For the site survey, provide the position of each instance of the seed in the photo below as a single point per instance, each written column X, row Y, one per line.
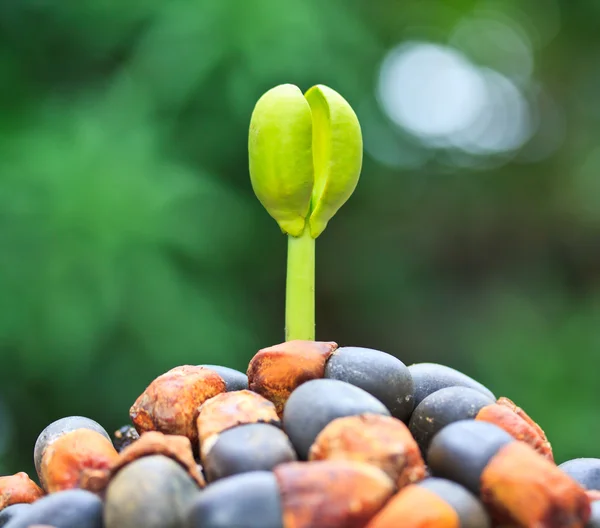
column 381, row 441
column 444, row 407
column 331, row 493
column 229, row 410
column 431, row 377
column 462, row 450
column 276, row 371
column 57, row 429
column 586, row 471
column 245, row 448
column 416, row 507
column 71, row 457
column 380, row 374
column 18, row 489
column 234, row 379
column 153, row 443
column 518, row 486
column 251, row 500
column 316, row 403
column 520, row 428
column 64, row 509
column 153, row 492
column 10, row 512
column 170, row 403
column 470, row 510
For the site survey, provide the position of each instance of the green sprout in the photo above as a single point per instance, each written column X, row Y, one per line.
column 305, row 157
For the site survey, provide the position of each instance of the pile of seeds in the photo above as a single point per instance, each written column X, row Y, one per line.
column 314, row 436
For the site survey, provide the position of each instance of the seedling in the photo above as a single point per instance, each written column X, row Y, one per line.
column 305, row 156
column 312, row 434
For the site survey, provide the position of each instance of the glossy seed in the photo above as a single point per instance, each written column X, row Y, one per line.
column 462, row 450
column 316, row 403
column 444, row 407
column 431, row 377
column 64, row 509
column 57, row 429
column 69, row 459
column 586, row 471
column 380, row 374
column 170, row 403
column 504, row 401
column 334, row 493
column 245, row 448
column 471, row 512
column 517, row 426
column 18, row 489
column 153, row 491
column 276, row 371
column 248, row 500
column 522, row 488
column 10, row 512
column 232, row 409
column 234, row 379
column 381, row 441
column 416, row 507
column 153, row 443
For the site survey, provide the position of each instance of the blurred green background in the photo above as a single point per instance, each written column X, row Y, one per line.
column 131, row 241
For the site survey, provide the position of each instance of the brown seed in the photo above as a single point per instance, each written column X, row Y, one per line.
column 517, row 426
column 416, row 507
column 511, row 405
column 170, row 403
column 331, row 493
column 67, row 458
column 276, row 371
column 152, row 443
column 229, row 409
column 522, row 488
column 382, row 441
column 18, row 489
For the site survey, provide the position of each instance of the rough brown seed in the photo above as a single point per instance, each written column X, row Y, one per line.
column 511, row 405
column 18, row 489
column 152, row 443
column 382, row 441
column 416, row 507
column 515, row 421
column 331, row 493
column 522, row 488
column 229, row 409
column 276, row 371
column 517, row 426
column 170, row 403
column 67, row 459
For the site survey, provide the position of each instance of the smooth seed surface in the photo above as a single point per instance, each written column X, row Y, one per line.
column 380, row 374
column 316, row 403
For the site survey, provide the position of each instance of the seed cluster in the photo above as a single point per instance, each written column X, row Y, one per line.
column 314, row 436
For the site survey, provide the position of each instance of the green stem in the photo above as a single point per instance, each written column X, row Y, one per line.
column 300, row 288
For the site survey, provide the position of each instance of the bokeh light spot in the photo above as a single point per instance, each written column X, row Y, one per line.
column 430, row 90
column 438, row 95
